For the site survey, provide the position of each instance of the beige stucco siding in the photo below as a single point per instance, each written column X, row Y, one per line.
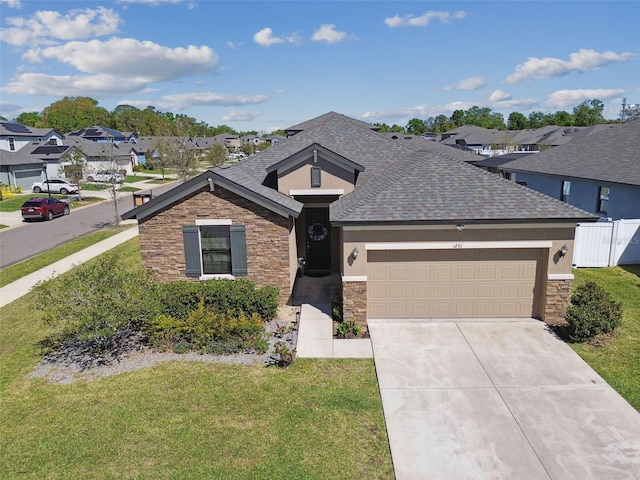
column 558, row 236
column 332, row 178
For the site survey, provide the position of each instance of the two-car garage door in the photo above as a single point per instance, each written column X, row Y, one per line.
column 452, row 283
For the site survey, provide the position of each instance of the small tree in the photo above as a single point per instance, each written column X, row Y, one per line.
column 216, row 155
column 77, row 169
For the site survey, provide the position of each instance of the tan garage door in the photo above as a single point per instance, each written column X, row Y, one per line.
column 451, row 283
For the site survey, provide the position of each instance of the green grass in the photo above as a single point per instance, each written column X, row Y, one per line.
column 22, row 269
column 317, row 419
column 128, row 189
column 136, row 178
column 617, row 357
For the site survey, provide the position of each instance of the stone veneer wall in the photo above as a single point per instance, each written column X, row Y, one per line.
column 557, row 299
column 354, row 302
column 267, row 233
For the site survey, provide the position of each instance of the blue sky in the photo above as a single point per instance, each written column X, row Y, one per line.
column 267, row 65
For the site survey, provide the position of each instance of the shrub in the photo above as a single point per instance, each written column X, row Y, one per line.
column 96, row 301
column 348, row 329
column 220, row 296
column 207, row 331
column 283, row 355
column 592, row 312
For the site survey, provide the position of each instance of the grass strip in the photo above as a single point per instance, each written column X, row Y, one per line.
column 616, row 357
column 15, row 272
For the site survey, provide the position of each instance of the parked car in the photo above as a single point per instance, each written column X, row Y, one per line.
column 106, row 176
column 55, row 185
column 44, row 208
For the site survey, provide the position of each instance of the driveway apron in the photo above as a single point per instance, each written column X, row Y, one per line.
column 496, row 399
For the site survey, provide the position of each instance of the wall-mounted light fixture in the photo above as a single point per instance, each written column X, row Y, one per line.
column 460, row 227
column 354, row 252
column 564, row 250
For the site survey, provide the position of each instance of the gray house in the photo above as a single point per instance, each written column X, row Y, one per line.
column 599, row 173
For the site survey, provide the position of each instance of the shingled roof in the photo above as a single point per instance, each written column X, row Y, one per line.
column 610, row 154
column 415, row 182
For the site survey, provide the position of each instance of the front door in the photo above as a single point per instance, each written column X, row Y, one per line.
column 318, row 242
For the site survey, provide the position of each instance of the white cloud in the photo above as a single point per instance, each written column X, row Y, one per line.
column 47, row 27
column 423, row 20
column 73, row 86
column 265, row 38
column 11, row 3
column 328, row 33
column 131, row 59
column 565, row 98
column 214, row 99
column 240, row 116
column 471, row 83
column 581, row 61
column 499, row 95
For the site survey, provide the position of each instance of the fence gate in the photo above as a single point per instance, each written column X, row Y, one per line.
column 605, row 244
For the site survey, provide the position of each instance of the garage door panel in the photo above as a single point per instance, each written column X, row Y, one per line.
column 456, row 283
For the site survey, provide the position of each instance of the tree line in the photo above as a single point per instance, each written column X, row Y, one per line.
column 586, row 114
column 74, row 113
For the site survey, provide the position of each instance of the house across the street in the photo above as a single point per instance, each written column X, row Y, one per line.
column 413, row 230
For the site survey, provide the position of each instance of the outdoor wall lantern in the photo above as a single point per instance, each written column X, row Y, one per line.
column 564, row 250
column 460, row 227
column 354, row 253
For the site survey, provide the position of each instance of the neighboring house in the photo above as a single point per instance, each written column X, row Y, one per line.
column 413, row 232
column 232, row 142
column 14, row 136
column 492, row 142
column 599, row 173
column 254, row 140
column 21, row 169
column 101, row 135
column 104, row 155
column 273, row 139
column 494, row 164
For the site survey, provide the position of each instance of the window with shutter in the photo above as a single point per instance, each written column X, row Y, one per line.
column 212, row 250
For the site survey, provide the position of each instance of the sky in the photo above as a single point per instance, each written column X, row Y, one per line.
column 268, row 65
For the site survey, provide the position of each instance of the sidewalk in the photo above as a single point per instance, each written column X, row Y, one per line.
column 21, row 287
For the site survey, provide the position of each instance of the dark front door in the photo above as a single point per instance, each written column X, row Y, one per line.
column 318, row 240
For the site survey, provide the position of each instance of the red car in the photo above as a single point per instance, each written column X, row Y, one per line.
column 44, row 208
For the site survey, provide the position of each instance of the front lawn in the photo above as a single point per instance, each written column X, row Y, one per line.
column 316, row 419
column 617, row 357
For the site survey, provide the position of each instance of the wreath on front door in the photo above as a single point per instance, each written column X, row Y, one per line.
column 318, row 232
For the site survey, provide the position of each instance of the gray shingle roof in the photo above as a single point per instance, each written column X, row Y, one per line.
column 327, row 117
column 406, row 182
column 608, row 154
column 425, row 187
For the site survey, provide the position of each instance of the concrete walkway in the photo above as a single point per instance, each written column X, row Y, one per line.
column 21, row 287
column 315, row 336
column 498, row 400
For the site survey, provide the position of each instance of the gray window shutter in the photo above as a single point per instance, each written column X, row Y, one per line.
column 238, row 250
column 192, row 255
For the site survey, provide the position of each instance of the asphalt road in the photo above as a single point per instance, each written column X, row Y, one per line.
column 31, row 238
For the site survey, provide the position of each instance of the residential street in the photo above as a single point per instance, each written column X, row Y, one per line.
column 26, row 239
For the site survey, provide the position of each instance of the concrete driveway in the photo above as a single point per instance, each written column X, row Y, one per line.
column 498, row 400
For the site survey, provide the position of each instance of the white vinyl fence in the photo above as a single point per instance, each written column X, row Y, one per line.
column 606, row 244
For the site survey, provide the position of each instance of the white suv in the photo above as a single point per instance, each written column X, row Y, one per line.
column 106, row 176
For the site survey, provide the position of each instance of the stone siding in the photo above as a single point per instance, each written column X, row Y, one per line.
column 354, row 298
column 557, row 299
column 267, row 234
